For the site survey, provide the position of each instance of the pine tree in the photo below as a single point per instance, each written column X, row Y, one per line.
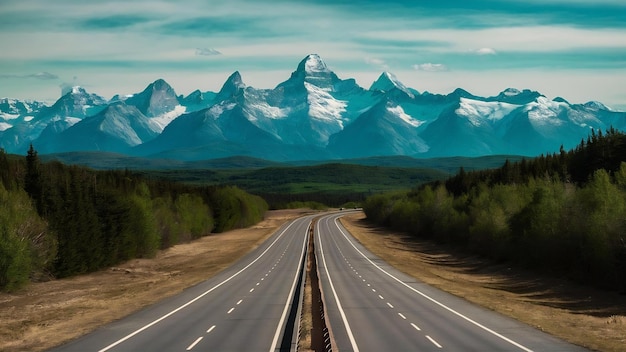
column 32, row 181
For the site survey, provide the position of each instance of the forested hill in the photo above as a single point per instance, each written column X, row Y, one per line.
column 58, row 220
column 563, row 213
column 599, row 152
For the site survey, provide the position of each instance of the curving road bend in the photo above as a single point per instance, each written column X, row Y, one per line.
column 244, row 308
column 371, row 306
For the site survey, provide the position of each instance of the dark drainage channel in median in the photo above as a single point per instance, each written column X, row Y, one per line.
column 320, row 335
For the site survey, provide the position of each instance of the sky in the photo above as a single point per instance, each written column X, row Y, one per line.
column 574, row 49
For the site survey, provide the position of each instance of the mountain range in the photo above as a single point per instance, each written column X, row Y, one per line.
column 313, row 115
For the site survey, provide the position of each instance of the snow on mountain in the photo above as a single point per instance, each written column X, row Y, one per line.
column 76, row 104
column 383, row 130
column 544, row 112
column 313, row 114
column 387, row 82
column 114, row 129
column 232, row 87
column 158, row 98
column 323, row 106
column 515, row 96
column 479, row 112
column 454, row 133
column 12, row 109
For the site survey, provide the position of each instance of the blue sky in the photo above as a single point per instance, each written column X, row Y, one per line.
column 570, row 48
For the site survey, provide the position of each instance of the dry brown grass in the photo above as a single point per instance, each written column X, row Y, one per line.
column 47, row 314
column 584, row 316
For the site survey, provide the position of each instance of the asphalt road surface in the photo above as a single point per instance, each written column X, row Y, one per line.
column 371, row 306
column 244, row 308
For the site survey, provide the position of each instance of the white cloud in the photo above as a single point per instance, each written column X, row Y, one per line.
column 513, row 39
column 486, row 51
column 430, row 67
column 207, row 52
column 377, row 62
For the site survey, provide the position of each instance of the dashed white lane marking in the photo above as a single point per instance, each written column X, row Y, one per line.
column 252, row 289
column 381, row 297
column 416, row 327
column 230, row 310
column 433, row 341
column 389, row 304
column 210, row 329
column 239, row 302
column 258, row 283
column 373, row 290
column 402, row 316
column 194, row 344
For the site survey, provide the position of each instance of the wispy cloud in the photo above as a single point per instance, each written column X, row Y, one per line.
column 143, row 40
column 207, row 52
column 40, row 75
column 378, row 63
column 486, row 51
column 430, row 67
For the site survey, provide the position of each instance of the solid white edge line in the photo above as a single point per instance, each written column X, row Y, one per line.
column 430, row 298
column 355, row 348
column 194, row 343
column 433, row 341
column 293, row 288
column 147, row 326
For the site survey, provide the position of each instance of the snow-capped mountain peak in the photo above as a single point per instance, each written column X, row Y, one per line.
column 313, row 64
column 233, row 85
column 313, row 70
column 157, row 99
column 388, row 82
column 596, row 105
column 511, row 92
column 479, row 112
column 516, row 96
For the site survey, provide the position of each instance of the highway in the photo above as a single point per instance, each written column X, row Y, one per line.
column 244, row 308
column 370, row 306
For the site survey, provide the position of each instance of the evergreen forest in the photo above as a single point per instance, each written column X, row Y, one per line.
column 563, row 214
column 58, row 220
